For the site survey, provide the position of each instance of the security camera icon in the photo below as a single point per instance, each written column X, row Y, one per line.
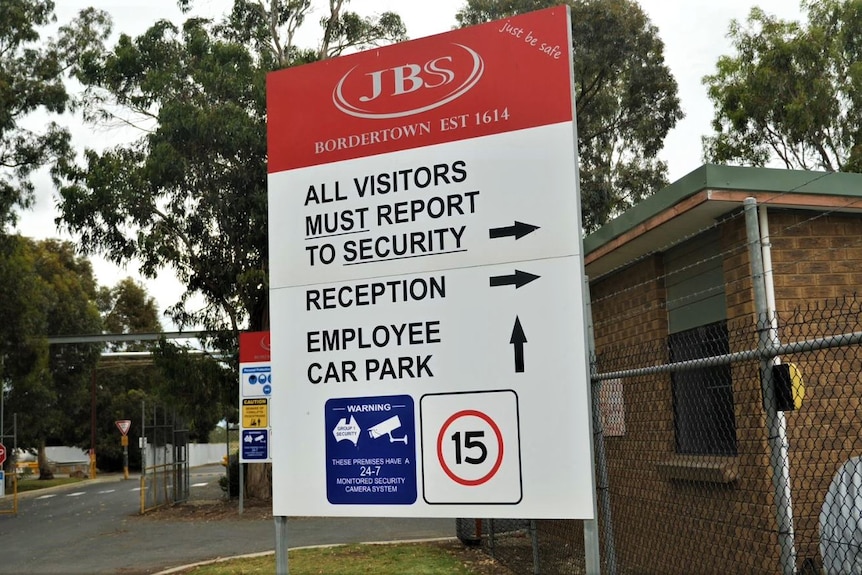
column 386, row 428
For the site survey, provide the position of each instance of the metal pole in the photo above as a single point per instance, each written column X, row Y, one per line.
column 2, row 398
column 281, row 566
column 492, row 539
column 241, row 484
column 769, row 285
column 143, row 438
column 592, row 551
column 534, row 538
column 227, row 456
column 125, row 442
column 93, row 423
column 776, row 427
column 15, row 471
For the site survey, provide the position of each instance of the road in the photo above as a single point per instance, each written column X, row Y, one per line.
column 94, row 528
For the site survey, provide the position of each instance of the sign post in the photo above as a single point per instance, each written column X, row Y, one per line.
column 2, row 483
column 426, row 280
column 2, row 473
column 124, row 425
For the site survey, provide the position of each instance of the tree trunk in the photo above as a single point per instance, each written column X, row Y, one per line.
column 44, row 469
column 258, row 481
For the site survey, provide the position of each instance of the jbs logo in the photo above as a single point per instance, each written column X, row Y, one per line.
column 411, row 88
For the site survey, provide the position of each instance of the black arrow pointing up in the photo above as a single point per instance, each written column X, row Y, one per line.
column 517, row 279
column 519, row 230
column 518, row 339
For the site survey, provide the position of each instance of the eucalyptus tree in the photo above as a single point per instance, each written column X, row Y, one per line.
column 189, row 195
column 625, row 95
column 791, row 92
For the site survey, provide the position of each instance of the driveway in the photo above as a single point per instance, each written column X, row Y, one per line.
column 94, row 527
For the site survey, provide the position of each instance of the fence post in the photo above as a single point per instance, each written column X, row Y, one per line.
column 776, row 425
column 591, row 531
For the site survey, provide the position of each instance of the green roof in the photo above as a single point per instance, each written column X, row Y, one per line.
column 713, row 177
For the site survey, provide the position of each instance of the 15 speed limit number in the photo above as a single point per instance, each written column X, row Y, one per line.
column 475, row 456
column 470, row 447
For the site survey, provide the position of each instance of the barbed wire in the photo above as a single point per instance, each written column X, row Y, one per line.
column 776, row 267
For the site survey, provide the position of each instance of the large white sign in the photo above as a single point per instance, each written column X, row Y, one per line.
column 426, row 281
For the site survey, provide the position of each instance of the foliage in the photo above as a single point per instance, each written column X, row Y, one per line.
column 45, row 385
column 23, row 323
column 625, row 95
column 791, row 92
column 202, row 389
column 229, row 482
column 127, row 309
column 123, row 383
column 31, row 79
column 190, row 194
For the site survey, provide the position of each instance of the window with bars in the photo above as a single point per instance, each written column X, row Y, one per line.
column 704, row 421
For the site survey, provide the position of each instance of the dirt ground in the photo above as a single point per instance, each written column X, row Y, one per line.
column 253, row 510
column 212, row 510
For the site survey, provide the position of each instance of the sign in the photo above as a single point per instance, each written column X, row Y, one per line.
column 426, row 253
column 371, row 450
column 124, row 425
column 2, row 482
column 255, row 413
column 256, row 381
column 254, row 445
column 255, row 389
column 254, row 346
column 2, row 454
column 472, row 448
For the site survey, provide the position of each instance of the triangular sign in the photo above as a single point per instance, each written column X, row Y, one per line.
column 124, row 425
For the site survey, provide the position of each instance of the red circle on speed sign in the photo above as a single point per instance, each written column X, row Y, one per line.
column 442, row 435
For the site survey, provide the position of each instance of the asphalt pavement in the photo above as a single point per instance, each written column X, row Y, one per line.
column 94, row 527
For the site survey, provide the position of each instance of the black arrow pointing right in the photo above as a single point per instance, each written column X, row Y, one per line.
column 518, row 340
column 519, row 230
column 518, row 279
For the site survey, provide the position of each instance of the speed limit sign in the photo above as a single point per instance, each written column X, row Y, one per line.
column 471, row 448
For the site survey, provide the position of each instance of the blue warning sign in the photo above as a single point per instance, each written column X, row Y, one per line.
column 255, row 444
column 371, row 450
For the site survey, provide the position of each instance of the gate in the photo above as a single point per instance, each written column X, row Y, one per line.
column 165, row 463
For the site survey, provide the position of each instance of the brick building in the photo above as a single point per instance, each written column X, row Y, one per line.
column 689, row 457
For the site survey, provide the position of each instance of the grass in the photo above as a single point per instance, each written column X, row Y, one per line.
column 413, row 558
column 34, row 484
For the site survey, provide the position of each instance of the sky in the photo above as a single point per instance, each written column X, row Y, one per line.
column 694, row 33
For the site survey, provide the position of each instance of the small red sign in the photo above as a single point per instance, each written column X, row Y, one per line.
column 2, row 454
column 253, row 346
column 124, row 425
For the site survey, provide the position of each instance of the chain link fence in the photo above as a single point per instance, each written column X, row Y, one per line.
column 165, row 469
column 699, row 479
column 727, row 419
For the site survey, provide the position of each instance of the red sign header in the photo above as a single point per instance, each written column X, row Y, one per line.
column 483, row 80
column 254, row 346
